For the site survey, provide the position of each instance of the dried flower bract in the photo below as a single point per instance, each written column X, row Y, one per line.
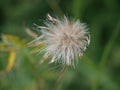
column 65, row 40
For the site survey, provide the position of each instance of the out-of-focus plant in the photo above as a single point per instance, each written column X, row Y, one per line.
column 10, row 44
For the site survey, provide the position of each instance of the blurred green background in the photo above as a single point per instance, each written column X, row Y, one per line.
column 98, row 69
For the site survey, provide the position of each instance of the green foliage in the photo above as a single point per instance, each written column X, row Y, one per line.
column 98, row 69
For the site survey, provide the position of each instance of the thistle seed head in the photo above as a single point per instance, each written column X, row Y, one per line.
column 65, row 40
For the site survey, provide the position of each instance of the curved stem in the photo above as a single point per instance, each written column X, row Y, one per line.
column 105, row 54
column 108, row 47
column 60, row 78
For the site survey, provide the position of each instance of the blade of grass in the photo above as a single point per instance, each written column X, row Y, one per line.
column 105, row 55
column 108, row 47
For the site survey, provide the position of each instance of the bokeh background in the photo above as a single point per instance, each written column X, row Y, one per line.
column 98, row 69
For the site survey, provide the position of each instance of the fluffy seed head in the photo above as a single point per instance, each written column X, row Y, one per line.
column 65, row 40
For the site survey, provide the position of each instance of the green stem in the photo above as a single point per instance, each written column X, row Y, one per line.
column 55, row 7
column 77, row 5
column 60, row 78
column 105, row 55
column 108, row 47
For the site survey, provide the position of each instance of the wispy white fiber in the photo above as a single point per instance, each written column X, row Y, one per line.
column 65, row 39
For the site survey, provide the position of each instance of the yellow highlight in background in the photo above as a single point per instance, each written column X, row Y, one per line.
column 11, row 60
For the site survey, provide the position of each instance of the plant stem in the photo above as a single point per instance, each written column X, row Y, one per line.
column 55, row 7
column 105, row 55
column 108, row 47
